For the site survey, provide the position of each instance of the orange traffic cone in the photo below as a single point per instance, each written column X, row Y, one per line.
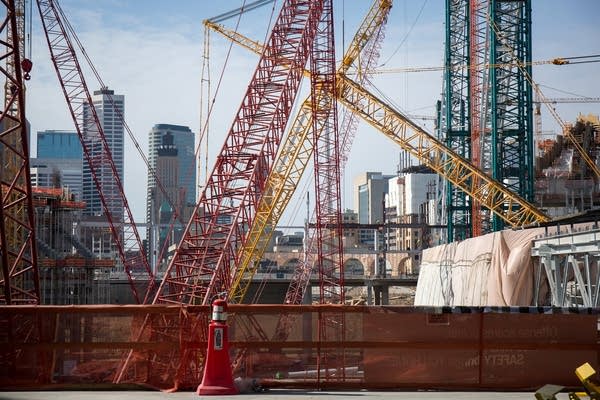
column 217, row 379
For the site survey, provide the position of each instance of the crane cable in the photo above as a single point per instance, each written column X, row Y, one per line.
column 407, row 34
column 204, row 128
column 555, row 61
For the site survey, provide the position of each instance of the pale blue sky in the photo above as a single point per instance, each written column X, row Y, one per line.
column 150, row 51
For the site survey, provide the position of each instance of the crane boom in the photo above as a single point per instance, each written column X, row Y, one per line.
column 372, row 22
column 207, row 254
column 568, row 100
column 96, row 150
column 509, row 206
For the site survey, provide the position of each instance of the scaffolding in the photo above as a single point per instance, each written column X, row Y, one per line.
column 68, row 272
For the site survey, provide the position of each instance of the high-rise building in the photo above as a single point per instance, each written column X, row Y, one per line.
column 58, row 145
column 171, row 155
column 410, row 200
column 110, row 108
column 94, row 228
column 370, row 189
column 59, row 161
column 183, row 140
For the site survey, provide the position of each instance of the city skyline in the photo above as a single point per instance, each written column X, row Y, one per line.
column 126, row 44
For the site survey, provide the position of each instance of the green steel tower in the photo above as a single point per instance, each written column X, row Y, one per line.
column 486, row 112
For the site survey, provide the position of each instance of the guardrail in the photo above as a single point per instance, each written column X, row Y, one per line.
column 384, row 347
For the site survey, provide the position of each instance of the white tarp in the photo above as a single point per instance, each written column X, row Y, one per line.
column 490, row 270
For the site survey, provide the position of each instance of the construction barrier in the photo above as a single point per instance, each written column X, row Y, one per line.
column 298, row 346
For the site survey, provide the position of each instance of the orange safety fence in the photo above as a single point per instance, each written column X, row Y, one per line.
column 386, row 347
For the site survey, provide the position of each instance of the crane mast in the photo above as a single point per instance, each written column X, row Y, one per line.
column 478, row 49
column 327, row 162
column 19, row 280
column 328, row 232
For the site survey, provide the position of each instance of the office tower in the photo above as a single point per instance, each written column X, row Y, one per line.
column 59, row 161
column 110, row 108
column 58, row 145
column 94, row 229
column 370, row 189
column 171, row 155
column 183, row 140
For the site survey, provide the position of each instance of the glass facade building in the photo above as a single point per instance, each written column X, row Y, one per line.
column 113, row 128
column 58, row 144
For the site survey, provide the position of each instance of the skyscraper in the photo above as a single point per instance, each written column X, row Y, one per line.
column 183, row 140
column 112, row 126
column 171, row 155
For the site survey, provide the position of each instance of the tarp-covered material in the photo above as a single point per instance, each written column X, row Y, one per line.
column 490, row 270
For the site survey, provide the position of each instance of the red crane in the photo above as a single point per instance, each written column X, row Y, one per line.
column 206, row 256
column 329, row 260
column 19, row 279
column 96, row 150
column 327, row 162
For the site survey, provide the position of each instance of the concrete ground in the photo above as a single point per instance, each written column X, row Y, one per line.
column 274, row 394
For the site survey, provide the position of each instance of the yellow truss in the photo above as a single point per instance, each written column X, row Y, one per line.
column 508, row 205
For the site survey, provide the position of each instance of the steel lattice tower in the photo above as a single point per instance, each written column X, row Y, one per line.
column 511, row 110
column 19, row 278
column 455, row 106
column 487, row 102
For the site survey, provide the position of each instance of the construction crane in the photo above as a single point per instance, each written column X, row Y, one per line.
column 207, row 254
column 228, row 202
column 293, row 158
column 96, row 151
column 328, row 203
column 19, row 280
column 289, row 166
column 513, row 209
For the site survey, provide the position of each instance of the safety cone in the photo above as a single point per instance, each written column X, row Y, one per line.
column 217, row 379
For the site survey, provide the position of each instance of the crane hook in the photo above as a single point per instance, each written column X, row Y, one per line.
column 26, row 64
